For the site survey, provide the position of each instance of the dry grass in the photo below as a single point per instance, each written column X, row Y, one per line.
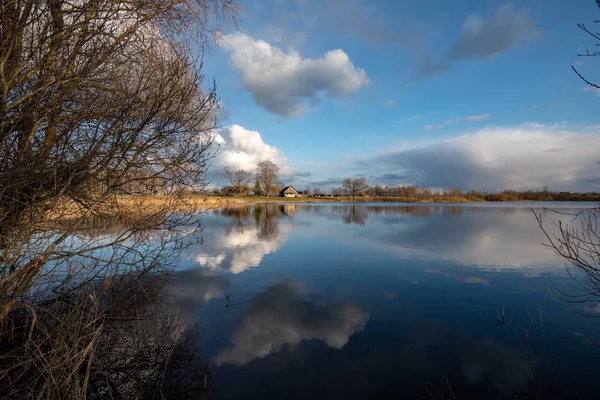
column 222, row 201
column 120, row 338
column 127, row 206
column 347, row 199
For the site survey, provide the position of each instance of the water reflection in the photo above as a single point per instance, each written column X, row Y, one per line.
column 482, row 237
column 488, row 360
column 355, row 216
column 193, row 288
column 249, row 233
column 262, row 218
column 488, row 238
column 285, row 314
column 390, row 281
column 414, row 211
column 466, row 279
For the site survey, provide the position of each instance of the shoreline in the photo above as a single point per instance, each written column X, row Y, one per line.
column 198, row 202
column 225, row 200
column 134, row 206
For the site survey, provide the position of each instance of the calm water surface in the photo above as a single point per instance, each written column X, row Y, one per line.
column 304, row 301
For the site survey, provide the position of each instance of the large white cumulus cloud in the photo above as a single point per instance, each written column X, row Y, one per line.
column 242, row 148
column 501, row 158
column 285, row 83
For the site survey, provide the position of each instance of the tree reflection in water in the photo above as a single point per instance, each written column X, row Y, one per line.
column 355, row 216
column 260, row 217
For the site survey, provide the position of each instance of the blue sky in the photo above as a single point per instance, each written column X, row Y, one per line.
column 475, row 94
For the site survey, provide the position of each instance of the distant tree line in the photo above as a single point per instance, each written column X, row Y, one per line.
column 266, row 183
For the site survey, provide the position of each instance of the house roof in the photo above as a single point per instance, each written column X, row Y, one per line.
column 288, row 189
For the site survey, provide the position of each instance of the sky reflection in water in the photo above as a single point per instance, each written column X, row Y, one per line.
column 343, row 301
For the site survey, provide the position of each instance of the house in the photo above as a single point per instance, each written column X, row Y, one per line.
column 289, row 191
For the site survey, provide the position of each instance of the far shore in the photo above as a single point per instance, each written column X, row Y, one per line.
column 214, row 201
column 135, row 205
column 198, row 201
column 228, row 200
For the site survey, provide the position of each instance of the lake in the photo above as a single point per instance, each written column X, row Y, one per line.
column 331, row 301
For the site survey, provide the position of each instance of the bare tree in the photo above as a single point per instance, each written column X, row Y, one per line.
column 578, row 242
column 101, row 103
column 239, row 180
column 98, row 99
column 268, row 175
column 355, row 187
column 587, row 53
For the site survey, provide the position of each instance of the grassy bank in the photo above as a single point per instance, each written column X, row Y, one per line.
column 224, row 200
column 200, row 202
column 132, row 205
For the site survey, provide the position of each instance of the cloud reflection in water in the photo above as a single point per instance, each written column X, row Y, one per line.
column 284, row 315
column 248, row 235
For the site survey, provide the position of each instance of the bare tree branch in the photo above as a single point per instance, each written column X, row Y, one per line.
column 268, row 175
column 106, row 127
column 355, row 187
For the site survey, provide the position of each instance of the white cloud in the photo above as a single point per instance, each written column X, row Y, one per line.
column 470, row 118
column 473, row 118
column 241, row 148
column 283, row 36
column 355, row 19
column 282, row 315
column 592, row 89
column 391, row 103
column 508, row 28
column 535, row 125
column 435, row 127
column 287, row 84
column 501, row 158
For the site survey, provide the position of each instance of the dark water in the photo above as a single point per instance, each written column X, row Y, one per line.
column 385, row 301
